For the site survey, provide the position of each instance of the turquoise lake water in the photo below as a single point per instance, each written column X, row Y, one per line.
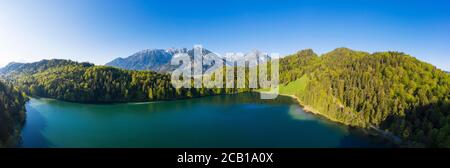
column 219, row 121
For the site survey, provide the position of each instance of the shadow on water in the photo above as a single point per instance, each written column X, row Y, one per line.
column 360, row 138
column 344, row 136
column 32, row 134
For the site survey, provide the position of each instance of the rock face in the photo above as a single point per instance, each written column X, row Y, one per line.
column 158, row 60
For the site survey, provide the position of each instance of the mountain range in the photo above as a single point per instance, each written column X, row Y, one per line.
column 151, row 59
column 159, row 60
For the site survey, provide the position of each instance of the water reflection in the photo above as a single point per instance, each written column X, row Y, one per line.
column 35, row 129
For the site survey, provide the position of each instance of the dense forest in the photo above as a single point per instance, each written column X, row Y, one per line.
column 387, row 90
column 84, row 82
column 12, row 114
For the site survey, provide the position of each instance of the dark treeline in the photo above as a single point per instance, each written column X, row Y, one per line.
column 83, row 82
column 388, row 90
column 12, row 114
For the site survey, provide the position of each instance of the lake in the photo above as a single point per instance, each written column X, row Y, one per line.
column 241, row 120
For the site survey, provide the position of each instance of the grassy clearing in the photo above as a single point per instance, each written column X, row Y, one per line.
column 295, row 87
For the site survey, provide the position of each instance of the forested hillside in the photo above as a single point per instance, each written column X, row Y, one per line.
column 83, row 82
column 389, row 90
column 12, row 114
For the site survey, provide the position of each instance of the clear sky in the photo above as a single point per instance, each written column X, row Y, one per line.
column 100, row 30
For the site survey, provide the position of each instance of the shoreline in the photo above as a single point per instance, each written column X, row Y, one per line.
column 309, row 109
column 372, row 131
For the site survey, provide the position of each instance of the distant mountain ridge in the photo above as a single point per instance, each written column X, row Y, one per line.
column 158, row 60
column 150, row 59
column 10, row 67
column 30, row 68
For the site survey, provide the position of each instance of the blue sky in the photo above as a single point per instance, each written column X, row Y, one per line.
column 100, row 30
